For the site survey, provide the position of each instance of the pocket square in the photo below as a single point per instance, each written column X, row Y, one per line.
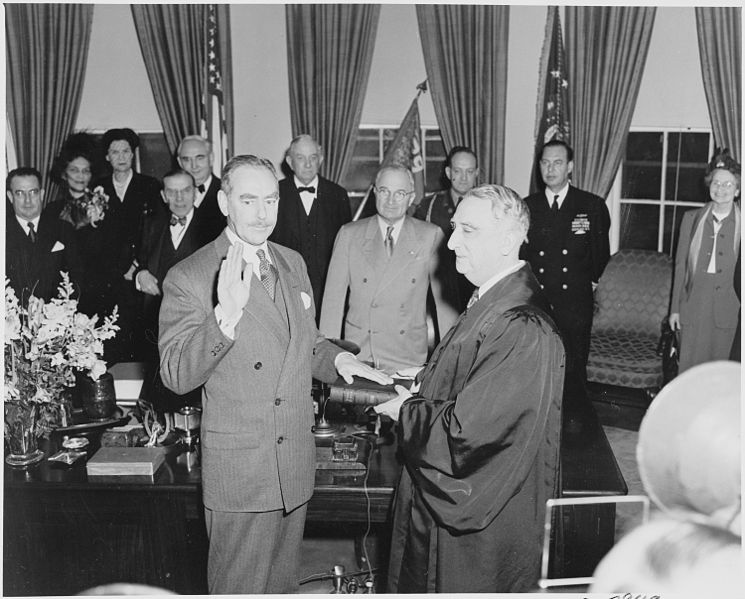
column 58, row 246
column 580, row 232
column 306, row 299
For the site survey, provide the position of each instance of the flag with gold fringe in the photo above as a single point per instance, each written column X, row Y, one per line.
column 552, row 108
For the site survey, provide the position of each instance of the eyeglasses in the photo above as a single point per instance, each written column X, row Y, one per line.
column 399, row 195
column 723, row 184
column 22, row 194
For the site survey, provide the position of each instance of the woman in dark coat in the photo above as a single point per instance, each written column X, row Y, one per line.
column 94, row 219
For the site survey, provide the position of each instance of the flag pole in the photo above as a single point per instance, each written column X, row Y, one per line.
column 421, row 87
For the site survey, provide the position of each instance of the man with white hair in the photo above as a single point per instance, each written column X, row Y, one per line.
column 480, row 435
column 311, row 212
column 195, row 157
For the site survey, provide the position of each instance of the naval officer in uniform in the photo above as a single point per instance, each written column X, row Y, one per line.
column 568, row 250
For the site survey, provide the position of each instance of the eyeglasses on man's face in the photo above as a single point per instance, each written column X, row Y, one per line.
column 399, row 195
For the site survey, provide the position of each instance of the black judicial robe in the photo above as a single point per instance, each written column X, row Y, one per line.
column 480, row 444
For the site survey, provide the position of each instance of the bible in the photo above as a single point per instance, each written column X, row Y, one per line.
column 363, row 392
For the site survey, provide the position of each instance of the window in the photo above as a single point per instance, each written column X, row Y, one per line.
column 372, row 143
column 661, row 179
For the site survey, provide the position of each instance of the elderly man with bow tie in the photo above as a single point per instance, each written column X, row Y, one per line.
column 311, row 212
column 168, row 238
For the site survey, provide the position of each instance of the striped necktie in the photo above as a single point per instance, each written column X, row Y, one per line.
column 268, row 273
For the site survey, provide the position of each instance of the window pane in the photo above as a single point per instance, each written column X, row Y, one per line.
column 673, row 217
column 687, row 156
column 642, row 166
column 434, row 171
column 155, row 157
column 639, row 226
column 360, row 174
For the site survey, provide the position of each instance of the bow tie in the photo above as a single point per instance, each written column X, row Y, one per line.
column 200, row 188
column 178, row 220
column 310, row 189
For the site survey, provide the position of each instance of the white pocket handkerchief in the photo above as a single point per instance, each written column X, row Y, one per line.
column 306, row 299
column 58, row 246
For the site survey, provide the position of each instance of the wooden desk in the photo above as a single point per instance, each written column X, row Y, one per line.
column 64, row 533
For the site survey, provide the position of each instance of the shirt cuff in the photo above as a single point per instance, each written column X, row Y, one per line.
column 227, row 325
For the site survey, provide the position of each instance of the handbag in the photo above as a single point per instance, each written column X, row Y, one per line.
column 668, row 349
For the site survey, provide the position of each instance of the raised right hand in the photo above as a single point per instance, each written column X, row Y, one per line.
column 234, row 281
column 674, row 321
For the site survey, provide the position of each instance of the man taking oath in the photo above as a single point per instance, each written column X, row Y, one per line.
column 238, row 318
column 480, row 436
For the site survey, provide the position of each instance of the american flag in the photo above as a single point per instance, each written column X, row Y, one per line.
column 213, row 111
column 552, row 110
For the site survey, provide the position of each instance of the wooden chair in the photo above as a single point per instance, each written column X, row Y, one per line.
column 632, row 302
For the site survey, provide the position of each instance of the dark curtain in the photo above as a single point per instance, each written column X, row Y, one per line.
column 465, row 53
column 720, row 43
column 329, row 52
column 173, row 43
column 606, row 52
column 46, row 55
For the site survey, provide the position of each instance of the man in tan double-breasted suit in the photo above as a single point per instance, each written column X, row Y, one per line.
column 238, row 317
column 387, row 262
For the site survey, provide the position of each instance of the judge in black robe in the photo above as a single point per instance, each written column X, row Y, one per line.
column 480, row 438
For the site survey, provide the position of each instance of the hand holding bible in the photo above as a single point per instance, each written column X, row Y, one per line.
column 348, row 367
column 393, row 407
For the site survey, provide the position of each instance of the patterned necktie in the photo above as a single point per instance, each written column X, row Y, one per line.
column 474, row 298
column 178, row 220
column 31, row 232
column 268, row 273
column 555, row 206
column 389, row 240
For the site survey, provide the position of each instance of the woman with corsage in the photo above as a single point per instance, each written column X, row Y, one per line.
column 93, row 219
column 704, row 304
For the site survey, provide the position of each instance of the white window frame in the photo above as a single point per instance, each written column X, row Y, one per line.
column 615, row 199
column 381, row 145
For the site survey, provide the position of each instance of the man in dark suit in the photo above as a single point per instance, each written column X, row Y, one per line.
column 37, row 244
column 132, row 198
column 479, row 438
column 237, row 317
column 462, row 171
column 311, row 212
column 167, row 239
column 195, row 157
column 568, row 249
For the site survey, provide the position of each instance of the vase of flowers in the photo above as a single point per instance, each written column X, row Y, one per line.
column 46, row 343
column 88, row 209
